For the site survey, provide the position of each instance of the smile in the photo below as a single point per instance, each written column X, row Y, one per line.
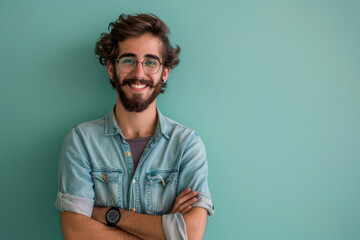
column 138, row 86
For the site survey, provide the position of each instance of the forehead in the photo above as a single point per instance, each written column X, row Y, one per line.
column 140, row 46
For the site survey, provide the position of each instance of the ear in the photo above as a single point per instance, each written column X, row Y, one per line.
column 165, row 73
column 111, row 69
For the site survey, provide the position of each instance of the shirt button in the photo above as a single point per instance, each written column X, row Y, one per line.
column 104, row 177
column 134, row 181
column 133, row 209
column 127, row 153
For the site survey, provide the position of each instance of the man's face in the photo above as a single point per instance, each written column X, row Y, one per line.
column 137, row 89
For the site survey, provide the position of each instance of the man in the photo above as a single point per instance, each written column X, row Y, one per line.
column 134, row 174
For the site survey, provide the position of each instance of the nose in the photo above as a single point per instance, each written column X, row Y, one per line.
column 138, row 71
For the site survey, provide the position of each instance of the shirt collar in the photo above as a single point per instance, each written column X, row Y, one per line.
column 112, row 128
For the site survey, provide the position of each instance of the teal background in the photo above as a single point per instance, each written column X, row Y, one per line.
column 271, row 86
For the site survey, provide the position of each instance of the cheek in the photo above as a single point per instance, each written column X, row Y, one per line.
column 157, row 79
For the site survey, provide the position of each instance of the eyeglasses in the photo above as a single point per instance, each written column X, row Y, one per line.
column 128, row 64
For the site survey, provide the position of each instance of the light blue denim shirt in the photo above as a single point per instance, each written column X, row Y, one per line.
column 96, row 169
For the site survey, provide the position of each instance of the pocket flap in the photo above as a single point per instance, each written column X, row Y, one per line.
column 163, row 177
column 106, row 176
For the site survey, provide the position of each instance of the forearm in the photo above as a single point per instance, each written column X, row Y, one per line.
column 195, row 223
column 141, row 225
column 76, row 226
column 151, row 226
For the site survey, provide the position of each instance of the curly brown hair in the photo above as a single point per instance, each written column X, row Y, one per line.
column 127, row 26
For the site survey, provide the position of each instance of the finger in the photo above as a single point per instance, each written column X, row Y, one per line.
column 187, row 209
column 183, row 199
column 183, row 193
column 179, row 200
column 186, row 204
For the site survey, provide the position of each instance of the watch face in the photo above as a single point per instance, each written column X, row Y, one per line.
column 113, row 216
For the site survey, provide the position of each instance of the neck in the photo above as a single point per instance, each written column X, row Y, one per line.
column 136, row 125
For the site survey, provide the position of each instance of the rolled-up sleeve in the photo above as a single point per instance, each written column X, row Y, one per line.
column 205, row 202
column 75, row 185
column 174, row 226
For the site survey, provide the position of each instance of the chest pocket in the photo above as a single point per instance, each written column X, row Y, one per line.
column 161, row 186
column 108, row 188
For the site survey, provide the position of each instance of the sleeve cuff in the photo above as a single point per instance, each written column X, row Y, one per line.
column 204, row 202
column 174, row 226
column 67, row 202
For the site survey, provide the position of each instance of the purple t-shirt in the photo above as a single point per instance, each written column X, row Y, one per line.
column 137, row 147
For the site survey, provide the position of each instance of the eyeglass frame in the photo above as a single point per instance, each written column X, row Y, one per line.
column 142, row 63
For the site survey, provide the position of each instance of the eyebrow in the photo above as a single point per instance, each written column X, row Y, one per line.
column 153, row 56
column 127, row 55
column 146, row 56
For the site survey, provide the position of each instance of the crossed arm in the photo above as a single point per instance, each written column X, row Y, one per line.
column 135, row 225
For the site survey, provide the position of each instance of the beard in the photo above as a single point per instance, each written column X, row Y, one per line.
column 136, row 103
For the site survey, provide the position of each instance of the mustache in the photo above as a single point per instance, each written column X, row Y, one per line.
column 135, row 80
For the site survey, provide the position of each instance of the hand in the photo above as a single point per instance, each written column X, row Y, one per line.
column 184, row 201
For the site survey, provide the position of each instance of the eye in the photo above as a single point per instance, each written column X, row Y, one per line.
column 149, row 62
column 128, row 61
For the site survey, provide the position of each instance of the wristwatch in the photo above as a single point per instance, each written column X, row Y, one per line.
column 113, row 216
